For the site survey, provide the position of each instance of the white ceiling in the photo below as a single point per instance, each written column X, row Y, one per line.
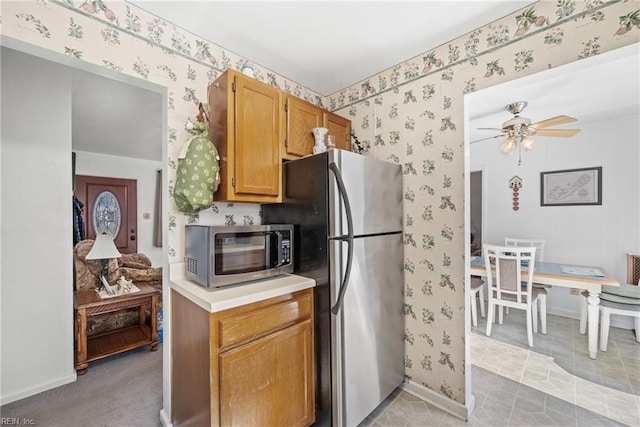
column 327, row 46
column 118, row 119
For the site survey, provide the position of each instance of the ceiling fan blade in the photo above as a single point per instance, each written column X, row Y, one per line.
column 500, row 129
column 553, row 121
column 562, row 133
column 490, row 137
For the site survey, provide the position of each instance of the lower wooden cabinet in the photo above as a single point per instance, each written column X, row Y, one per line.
column 250, row 365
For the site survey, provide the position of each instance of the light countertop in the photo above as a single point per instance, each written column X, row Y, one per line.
column 214, row 300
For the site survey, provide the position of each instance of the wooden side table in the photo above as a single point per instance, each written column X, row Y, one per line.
column 87, row 303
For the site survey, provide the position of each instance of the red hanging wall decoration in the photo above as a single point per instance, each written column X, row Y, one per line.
column 515, row 184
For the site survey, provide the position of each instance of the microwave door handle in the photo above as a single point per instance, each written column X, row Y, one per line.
column 279, row 235
column 267, row 250
column 348, row 238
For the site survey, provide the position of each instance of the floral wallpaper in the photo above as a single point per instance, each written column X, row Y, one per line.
column 411, row 114
column 121, row 37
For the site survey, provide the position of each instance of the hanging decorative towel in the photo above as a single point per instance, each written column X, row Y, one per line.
column 197, row 177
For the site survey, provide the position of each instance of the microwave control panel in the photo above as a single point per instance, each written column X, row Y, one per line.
column 286, row 251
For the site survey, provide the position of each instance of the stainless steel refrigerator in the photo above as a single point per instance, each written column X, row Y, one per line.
column 347, row 212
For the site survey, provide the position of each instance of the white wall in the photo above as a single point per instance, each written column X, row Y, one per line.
column 588, row 235
column 144, row 172
column 36, row 222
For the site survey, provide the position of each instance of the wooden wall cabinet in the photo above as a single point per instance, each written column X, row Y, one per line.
column 249, row 365
column 255, row 126
column 245, row 126
column 339, row 127
column 302, row 116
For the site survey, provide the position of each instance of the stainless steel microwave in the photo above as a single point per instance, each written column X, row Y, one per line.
column 217, row 256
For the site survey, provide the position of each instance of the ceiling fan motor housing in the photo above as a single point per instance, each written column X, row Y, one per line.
column 517, row 123
column 516, row 107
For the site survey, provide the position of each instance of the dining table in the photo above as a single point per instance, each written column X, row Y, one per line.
column 589, row 278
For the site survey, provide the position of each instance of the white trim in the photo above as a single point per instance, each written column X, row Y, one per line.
column 621, row 322
column 164, row 418
column 31, row 391
column 80, row 64
column 436, row 399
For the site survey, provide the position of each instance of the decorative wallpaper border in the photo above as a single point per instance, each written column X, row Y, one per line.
column 524, row 21
column 411, row 114
column 121, row 17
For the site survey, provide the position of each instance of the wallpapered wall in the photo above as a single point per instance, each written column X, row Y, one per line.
column 127, row 39
column 411, row 114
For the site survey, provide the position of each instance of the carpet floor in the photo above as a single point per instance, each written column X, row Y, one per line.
column 121, row 390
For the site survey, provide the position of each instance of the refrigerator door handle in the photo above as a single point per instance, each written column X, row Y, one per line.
column 348, row 238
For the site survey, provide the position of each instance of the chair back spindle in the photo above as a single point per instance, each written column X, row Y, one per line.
column 520, row 242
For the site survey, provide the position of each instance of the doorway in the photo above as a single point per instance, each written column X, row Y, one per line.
column 110, row 207
column 475, row 211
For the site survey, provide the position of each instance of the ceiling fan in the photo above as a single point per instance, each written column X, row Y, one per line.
column 519, row 130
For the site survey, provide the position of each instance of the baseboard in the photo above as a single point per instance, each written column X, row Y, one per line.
column 571, row 314
column 622, row 322
column 31, row 391
column 436, row 399
column 164, row 418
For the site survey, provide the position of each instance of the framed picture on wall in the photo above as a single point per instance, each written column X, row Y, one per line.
column 571, row 187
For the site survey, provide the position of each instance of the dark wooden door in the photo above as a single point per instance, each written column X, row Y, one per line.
column 110, row 205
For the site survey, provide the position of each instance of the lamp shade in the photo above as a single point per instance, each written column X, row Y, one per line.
column 103, row 248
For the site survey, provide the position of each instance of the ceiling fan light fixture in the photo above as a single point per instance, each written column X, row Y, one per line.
column 508, row 145
column 527, row 143
column 520, row 130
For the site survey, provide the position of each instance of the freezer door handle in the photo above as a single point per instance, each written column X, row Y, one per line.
column 348, row 238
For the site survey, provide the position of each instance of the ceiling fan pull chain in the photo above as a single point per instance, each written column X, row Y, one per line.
column 519, row 153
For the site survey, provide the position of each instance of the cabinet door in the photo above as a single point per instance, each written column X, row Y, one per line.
column 269, row 381
column 340, row 128
column 302, row 116
column 257, row 133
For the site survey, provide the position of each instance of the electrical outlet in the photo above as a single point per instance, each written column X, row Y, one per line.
column 574, row 291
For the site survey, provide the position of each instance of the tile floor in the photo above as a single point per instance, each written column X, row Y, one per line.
column 553, row 384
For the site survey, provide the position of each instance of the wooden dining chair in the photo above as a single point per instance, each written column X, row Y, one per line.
column 542, row 296
column 505, row 283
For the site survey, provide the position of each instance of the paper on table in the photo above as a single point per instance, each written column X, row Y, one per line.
column 581, row 271
column 104, row 295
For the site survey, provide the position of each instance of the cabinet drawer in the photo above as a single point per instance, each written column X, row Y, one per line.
column 252, row 324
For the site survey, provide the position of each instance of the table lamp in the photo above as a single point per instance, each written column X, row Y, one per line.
column 104, row 249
